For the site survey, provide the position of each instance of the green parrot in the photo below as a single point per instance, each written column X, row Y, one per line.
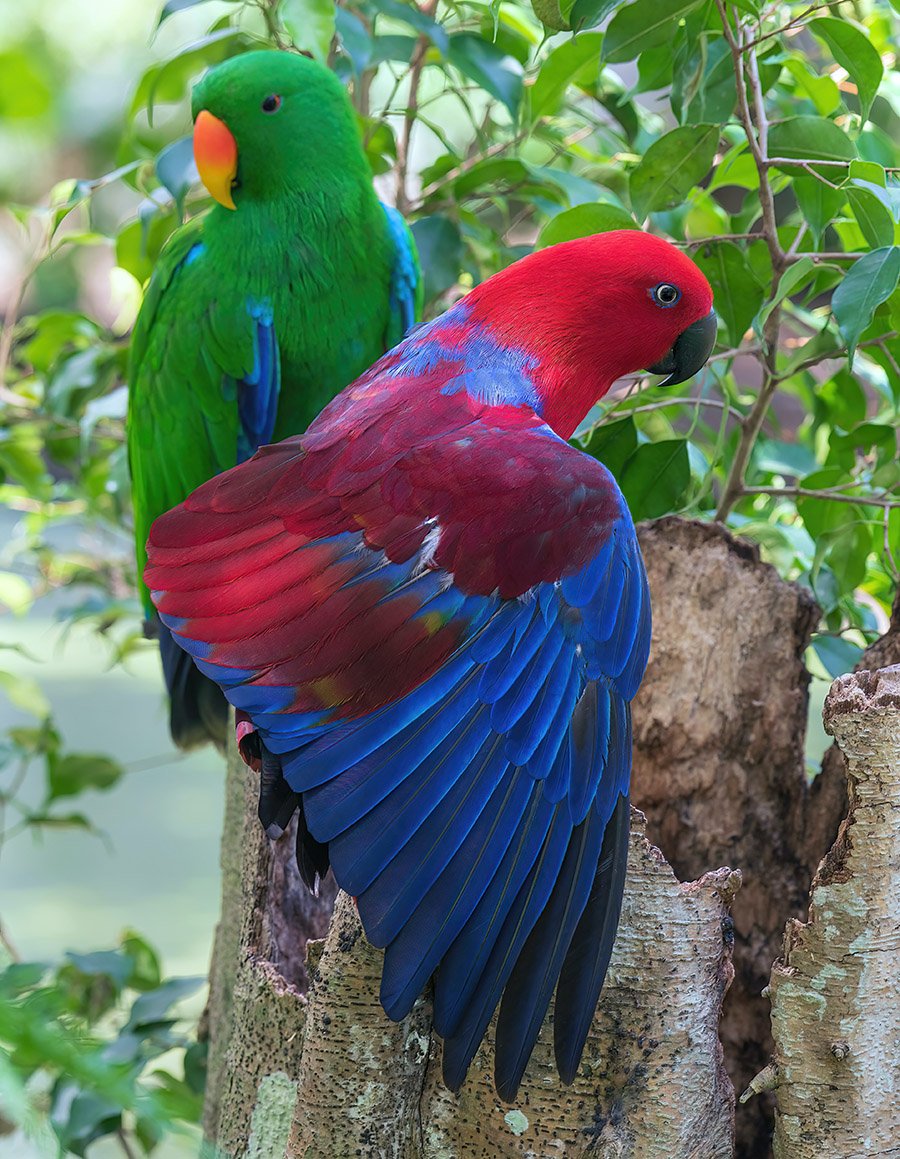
column 261, row 309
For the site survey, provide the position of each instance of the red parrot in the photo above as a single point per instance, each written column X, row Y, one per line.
column 434, row 611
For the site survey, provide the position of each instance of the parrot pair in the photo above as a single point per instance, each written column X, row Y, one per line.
column 434, row 612
column 260, row 310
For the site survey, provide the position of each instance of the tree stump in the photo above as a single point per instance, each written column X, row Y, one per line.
column 719, row 765
column 835, row 1014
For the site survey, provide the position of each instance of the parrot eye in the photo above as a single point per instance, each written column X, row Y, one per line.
column 665, row 294
column 272, row 103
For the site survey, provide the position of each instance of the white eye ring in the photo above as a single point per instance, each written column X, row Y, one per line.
column 665, row 295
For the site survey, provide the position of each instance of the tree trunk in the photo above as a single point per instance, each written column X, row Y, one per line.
column 720, row 771
column 835, row 1014
column 258, row 977
column 330, row 1075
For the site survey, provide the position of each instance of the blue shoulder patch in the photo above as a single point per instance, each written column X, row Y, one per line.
column 259, row 389
column 404, row 272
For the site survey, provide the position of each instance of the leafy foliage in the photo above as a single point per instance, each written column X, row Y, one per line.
column 761, row 137
column 86, row 1039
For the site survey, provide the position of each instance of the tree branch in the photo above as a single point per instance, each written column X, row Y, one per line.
column 756, row 129
column 409, row 118
column 833, row 496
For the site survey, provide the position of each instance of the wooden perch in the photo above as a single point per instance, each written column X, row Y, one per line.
column 835, row 1014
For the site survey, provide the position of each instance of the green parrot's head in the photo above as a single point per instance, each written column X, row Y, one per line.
column 267, row 123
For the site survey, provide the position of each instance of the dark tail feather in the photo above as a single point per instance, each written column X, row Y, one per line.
column 277, row 804
column 198, row 710
column 583, row 971
column 530, row 987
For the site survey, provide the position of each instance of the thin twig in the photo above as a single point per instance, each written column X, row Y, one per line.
column 697, row 403
column 126, row 1146
column 793, row 23
column 690, row 244
column 416, row 64
column 8, row 945
column 824, row 256
column 756, row 127
column 831, row 496
column 469, row 163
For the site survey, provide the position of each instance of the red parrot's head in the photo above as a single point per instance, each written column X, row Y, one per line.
column 591, row 310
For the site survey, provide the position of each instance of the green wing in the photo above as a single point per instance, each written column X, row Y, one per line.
column 194, row 340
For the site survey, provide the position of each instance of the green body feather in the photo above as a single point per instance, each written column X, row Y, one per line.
column 308, row 238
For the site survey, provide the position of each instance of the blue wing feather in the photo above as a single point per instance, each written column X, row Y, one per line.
column 468, row 815
column 258, row 391
column 404, row 294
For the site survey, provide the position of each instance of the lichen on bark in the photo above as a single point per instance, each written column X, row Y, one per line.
column 835, row 1014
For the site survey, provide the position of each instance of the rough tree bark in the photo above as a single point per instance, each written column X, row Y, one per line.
column 720, row 773
column 719, row 770
column 258, row 975
column 829, row 789
column 327, row 1075
column 835, row 1014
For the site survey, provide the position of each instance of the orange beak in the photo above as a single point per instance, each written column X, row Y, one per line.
column 215, row 151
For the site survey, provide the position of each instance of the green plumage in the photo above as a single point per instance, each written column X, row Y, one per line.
column 308, row 246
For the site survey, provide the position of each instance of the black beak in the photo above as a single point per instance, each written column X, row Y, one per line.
column 690, row 352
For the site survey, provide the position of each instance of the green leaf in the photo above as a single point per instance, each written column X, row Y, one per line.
column 155, row 1005
column 868, row 171
column 854, row 51
column 821, row 90
column 26, row 89
column 836, row 654
column 656, row 478
column 582, row 221
column 775, row 457
column 868, row 283
column 25, row 694
column 144, row 971
column 71, row 774
column 872, row 217
column 15, row 593
column 791, row 280
column 613, row 444
column 310, row 24
column 355, row 39
column 414, row 17
column 888, row 195
column 170, row 80
column 489, row 173
column 818, row 204
column 716, row 94
column 105, row 963
column 498, row 73
column 736, row 292
column 589, row 13
column 642, row 25
column 440, row 253
column 176, row 169
column 553, row 13
column 811, row 139
column 671, row 167
column 172, row 6
column 574, row 61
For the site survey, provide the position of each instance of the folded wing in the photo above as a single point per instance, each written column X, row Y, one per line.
column 440, row 638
